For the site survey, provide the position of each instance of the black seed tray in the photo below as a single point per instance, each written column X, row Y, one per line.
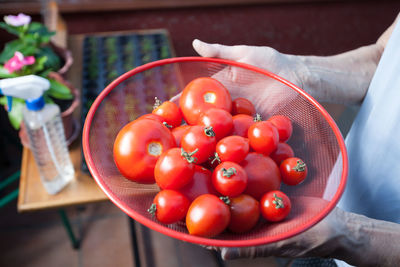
column 106, row 57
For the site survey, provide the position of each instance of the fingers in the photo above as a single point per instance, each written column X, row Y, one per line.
column 216, row 50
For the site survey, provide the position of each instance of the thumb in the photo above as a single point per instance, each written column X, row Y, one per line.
column 215, row 50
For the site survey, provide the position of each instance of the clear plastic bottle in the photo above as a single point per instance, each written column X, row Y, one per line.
column 45, row 130
column 47, row 141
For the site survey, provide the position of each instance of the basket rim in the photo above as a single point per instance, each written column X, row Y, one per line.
column 196, row 239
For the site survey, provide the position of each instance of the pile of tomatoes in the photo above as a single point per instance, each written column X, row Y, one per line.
column 218, row 164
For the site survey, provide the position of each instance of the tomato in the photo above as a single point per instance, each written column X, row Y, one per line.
column 241, row 124
column 178, row 132
column 282, row 152
column 232, row 148
column 243, row 106
column 152, row 116
column 200, row 184
column 170, row 112
column 220, row 120
column 262, row 174
column 263, row 137
column 293, row 171
column 138, row 146
column 245, row 212
column 202, row 94
column 275, row 206
column 284, row 126
column 174, row 169
column 207, row 216
column 169, row 206
column 229, row 179
column 199, row 139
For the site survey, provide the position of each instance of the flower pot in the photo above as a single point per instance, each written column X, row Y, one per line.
column 70, row 123
column 66, row 57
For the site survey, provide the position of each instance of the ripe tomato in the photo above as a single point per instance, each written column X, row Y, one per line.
column 284, row 126
column 275, row 206
column 229, row 179
column 241, row 124
column 220, row 120
column 263, row 137
column 201, row 94
column 200, row 184
column 245, row 212
column 178, row 132
column 138, row 146
column 243, row 106
column 174, row 169
column 293, row 171
column 262, row 174
column 232, row 148
column 207, row 216
column 169, row 206
column 199, row 139
column 282, row 152
column 152, row 116
column 170, row 112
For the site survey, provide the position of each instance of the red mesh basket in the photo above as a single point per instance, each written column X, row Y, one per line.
column 316, row 139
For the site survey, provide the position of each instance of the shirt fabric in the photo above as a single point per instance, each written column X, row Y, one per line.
column 373, row 144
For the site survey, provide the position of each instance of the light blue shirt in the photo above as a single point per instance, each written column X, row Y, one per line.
column 373, row 144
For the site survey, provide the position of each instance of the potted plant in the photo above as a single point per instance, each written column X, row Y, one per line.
column 32, row 53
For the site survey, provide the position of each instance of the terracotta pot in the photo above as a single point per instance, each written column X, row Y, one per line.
column 71, row 124
column 65, row 55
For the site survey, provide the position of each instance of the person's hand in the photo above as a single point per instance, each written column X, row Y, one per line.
column 320, row 240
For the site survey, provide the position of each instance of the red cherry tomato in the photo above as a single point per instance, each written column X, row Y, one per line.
column 243, row 106
column 200, row 140
column 284, row 126
column 262, row 174
column 293, row 171
column 232, row 148
column 207, row 216
column 138, row 146
column 220, row 120
column 152, row 116
column 275, row 206
column 282, row 152
column 263, row 137
column 229, row 179
column 245, row 212
column 169, row 206
column 178, row 132
column 174, row 169
column 202, row 94
column 200, row 184
column 170, row 112
column 241, row 124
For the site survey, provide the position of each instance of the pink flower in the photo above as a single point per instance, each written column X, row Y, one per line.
column 18, row 61
column 19, row 20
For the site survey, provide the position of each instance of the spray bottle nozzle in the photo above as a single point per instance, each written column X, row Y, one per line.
column 27, row 87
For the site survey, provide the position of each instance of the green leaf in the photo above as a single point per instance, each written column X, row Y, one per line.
column 5, row 74
column 42, row 33
column 15, row 115
column 13, row 46
column 11, row 29
column 59, row 90
column 53, row 61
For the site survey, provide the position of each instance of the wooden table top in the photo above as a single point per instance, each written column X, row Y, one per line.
column 83, row 189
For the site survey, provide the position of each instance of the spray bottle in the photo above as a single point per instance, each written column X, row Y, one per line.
column 45, row 130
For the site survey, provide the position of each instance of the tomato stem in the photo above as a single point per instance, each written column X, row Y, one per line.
column 152, row 210
column 167, row 125
column 226, row 200
column 188, row 156
column 278, row 202
column 216, row 158
column 300, row 166
column 157, row 103
column 257, row 118
column 209, row 131
column 228, row 172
